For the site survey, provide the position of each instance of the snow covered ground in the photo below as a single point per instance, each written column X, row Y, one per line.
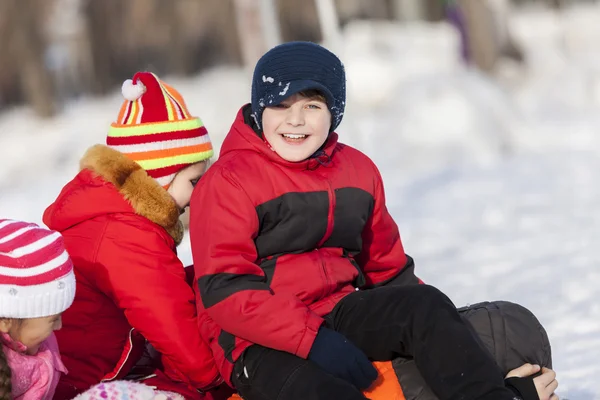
column 493, row 186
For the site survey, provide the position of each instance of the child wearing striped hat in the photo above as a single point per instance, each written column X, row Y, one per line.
column 120, row 220
column 36, row 285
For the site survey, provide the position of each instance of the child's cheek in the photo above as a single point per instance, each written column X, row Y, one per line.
column 33, row 345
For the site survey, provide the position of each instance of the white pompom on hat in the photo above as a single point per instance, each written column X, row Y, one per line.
column 132, row 91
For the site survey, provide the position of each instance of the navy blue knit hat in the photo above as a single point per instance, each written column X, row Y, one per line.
column 294, row 67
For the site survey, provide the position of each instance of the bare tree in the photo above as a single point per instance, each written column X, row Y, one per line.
column 365, row 9
column 103, row 21
column 271, row 29
column 489, row 37
column 249, row 26
column 206, row 34
column 434, row 10
column 10, row 92
column 330, row 24
column 481, row 41
column 298, row 20
column 27, row 49
column 408, row 10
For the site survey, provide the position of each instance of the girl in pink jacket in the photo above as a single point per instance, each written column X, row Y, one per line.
column 36, row 285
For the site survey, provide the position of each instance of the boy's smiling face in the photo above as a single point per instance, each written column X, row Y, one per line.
column 297, row 127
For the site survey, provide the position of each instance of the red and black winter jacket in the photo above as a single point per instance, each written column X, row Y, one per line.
column 277, row 244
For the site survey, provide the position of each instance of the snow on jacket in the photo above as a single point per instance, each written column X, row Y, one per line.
column 277, row 244
column 121, row 228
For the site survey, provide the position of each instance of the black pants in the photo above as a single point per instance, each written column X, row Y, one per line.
column 417, row 321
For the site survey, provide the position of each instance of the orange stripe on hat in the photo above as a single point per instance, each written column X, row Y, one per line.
column 124, row 112
column 177, row 107
column 178, row 151
column 178, row 99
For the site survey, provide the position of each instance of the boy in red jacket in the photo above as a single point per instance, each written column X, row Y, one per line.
column 120, row 221
column 302, row 275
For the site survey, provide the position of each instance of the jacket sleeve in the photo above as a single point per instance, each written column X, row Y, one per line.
column 233, row 288
column 141, row 273
column 382, row 258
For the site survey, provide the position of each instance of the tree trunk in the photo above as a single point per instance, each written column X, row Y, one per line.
column 408, row 10
column 179, row 62
column 434, row 10
column 349, row 10
column 248, row 20
column 299, row 20
column 99, row 23
column 27, row 51
column 10, row 92
column 270, row 23
column 483, row 47
column 329, row 23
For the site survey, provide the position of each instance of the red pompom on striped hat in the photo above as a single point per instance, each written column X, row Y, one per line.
column 155, row 129
column 36, row 272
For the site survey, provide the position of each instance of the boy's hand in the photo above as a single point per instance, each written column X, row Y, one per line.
column 339, row 357
column 545, row 384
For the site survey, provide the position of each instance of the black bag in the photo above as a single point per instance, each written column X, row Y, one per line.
column 510, row 332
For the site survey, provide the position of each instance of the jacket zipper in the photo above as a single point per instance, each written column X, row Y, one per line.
column 328, row 231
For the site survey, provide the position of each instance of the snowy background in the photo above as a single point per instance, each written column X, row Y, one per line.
column 492, row 182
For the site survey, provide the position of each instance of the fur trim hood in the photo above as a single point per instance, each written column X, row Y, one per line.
column 133, row 185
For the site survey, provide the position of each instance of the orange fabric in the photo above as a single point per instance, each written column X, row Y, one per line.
column 386, row 387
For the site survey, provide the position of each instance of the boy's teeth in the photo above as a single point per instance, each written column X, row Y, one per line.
column 289, row 135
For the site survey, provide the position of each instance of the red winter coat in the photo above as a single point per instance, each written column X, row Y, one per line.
column 121, row 228
column 277, row 244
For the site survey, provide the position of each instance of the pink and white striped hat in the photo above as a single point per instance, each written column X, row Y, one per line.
column 36, row 272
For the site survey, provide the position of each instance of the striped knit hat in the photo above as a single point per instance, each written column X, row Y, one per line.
column 155, row 129
column 36, row 273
